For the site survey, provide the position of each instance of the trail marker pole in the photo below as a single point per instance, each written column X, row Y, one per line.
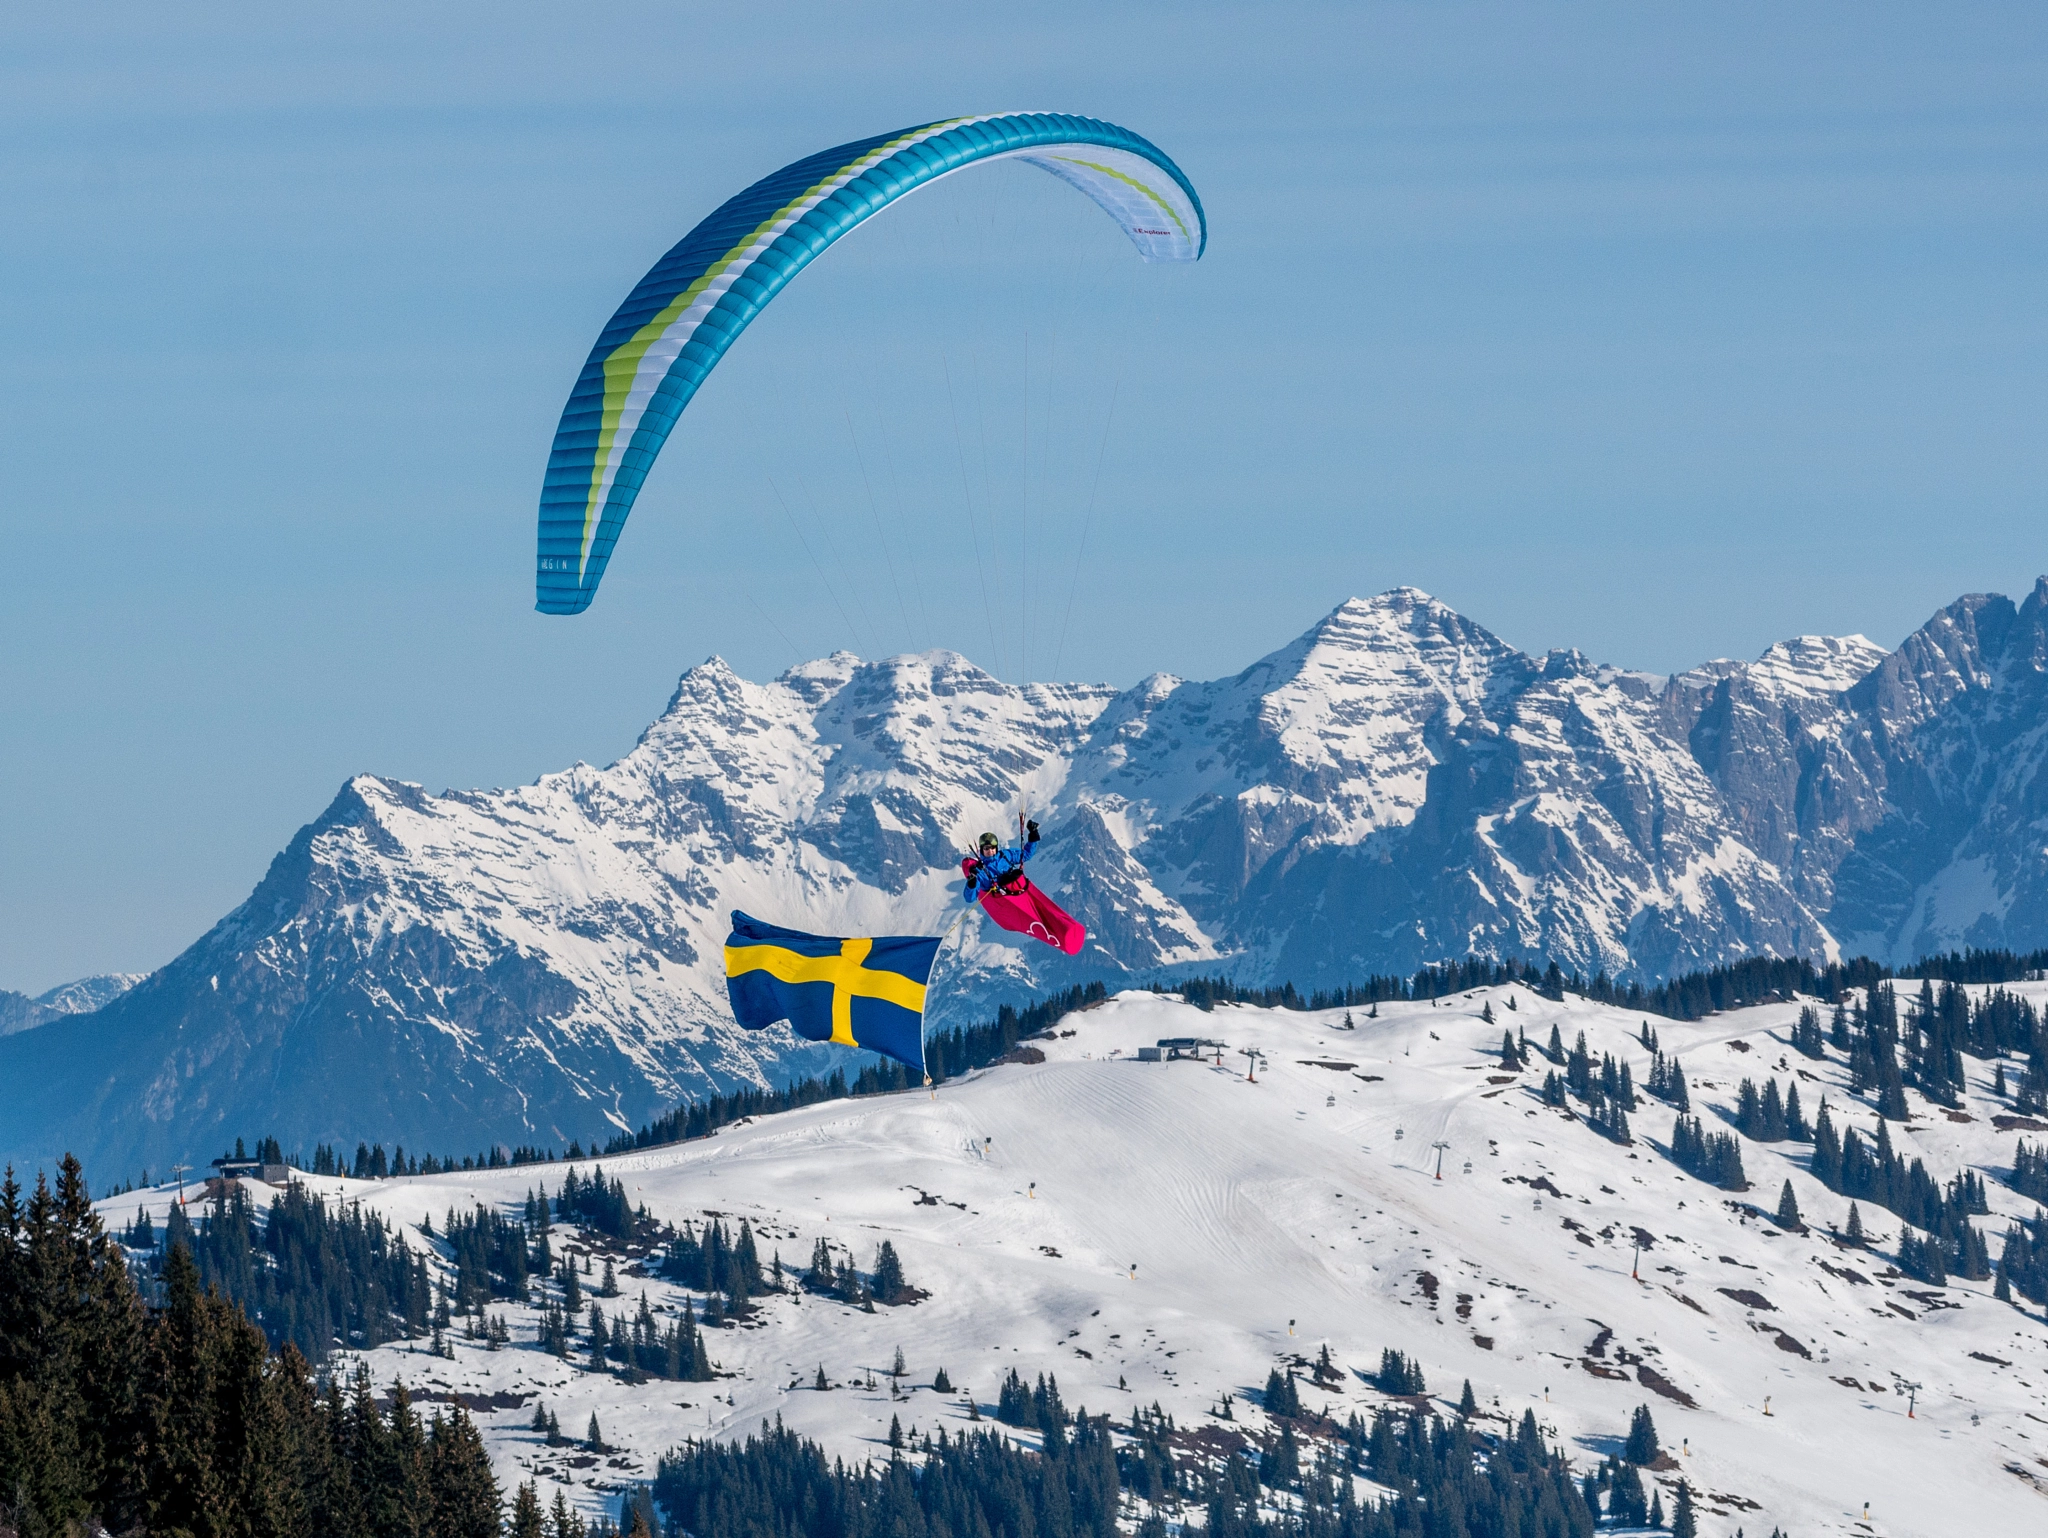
column 1439, row 1146
column 1912, row 1396
column 1635, row 1261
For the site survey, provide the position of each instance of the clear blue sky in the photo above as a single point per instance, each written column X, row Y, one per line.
column 1658, row 331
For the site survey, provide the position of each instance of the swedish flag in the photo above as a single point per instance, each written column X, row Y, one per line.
column 862, row 992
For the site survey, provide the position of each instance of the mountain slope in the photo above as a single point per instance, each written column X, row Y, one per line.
column 1394, row 787
column 1171, row 1232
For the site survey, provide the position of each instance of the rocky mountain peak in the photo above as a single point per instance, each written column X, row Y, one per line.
column 1810, row 665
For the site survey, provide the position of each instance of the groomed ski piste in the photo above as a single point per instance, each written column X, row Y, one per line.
column 1172, row 1231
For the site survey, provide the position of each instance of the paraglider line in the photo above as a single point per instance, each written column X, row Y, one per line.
column 974, row 528
column 795, row 655
column 881, row 535
column 988, row 497
column 1087, row 521
column 829, row 591
column 917, row 581
column 873, row 643
column 1024, row 529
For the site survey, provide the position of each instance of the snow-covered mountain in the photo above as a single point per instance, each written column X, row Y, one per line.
column 89, row 993
column 1170, row 1233
column 19, row 1012
column 1395, row 787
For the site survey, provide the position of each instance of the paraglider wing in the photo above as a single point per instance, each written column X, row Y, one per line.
column 676, row 325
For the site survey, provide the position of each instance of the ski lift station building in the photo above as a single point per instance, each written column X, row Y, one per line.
column 1171, row 1047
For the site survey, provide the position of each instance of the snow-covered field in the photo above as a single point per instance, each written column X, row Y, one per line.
column 1171, row 1231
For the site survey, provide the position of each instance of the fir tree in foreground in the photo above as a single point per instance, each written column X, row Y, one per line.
column 179, row 1417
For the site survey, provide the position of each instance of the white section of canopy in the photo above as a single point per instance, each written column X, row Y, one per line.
column 1149, row 204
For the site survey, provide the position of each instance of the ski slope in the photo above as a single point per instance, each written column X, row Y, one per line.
column 1172, row 1231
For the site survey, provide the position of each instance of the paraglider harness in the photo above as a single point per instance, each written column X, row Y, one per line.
column 1009, row 878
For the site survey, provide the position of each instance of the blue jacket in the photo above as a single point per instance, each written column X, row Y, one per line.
column 982, row 875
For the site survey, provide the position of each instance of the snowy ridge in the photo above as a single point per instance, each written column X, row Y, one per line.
column 18, row 1012
column 1171, row 1232
column 1395, row 787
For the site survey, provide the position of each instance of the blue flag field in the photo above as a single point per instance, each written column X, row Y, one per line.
column 859, row 992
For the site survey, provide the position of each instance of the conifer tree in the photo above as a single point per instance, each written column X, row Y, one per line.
column 393, row 1471
column 572, row 1288
column 1326, row 1369
column 1891, row 1098
column 594, row 1438
column 1280, row 1465
column 1749, row 1111
column 821, row 1277
column 1282, row 1399
column 1641, row 1447
column 1683, row 1523
column 1827, row 1150
column 889, row 1285
column 1486, row 1012
column 1772, row 1113
column 1626, row 1500
column 1788, row 1208
column 1468, row 1403
column 1854, row 1234
column 527, row 1521
column 463, row 1493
